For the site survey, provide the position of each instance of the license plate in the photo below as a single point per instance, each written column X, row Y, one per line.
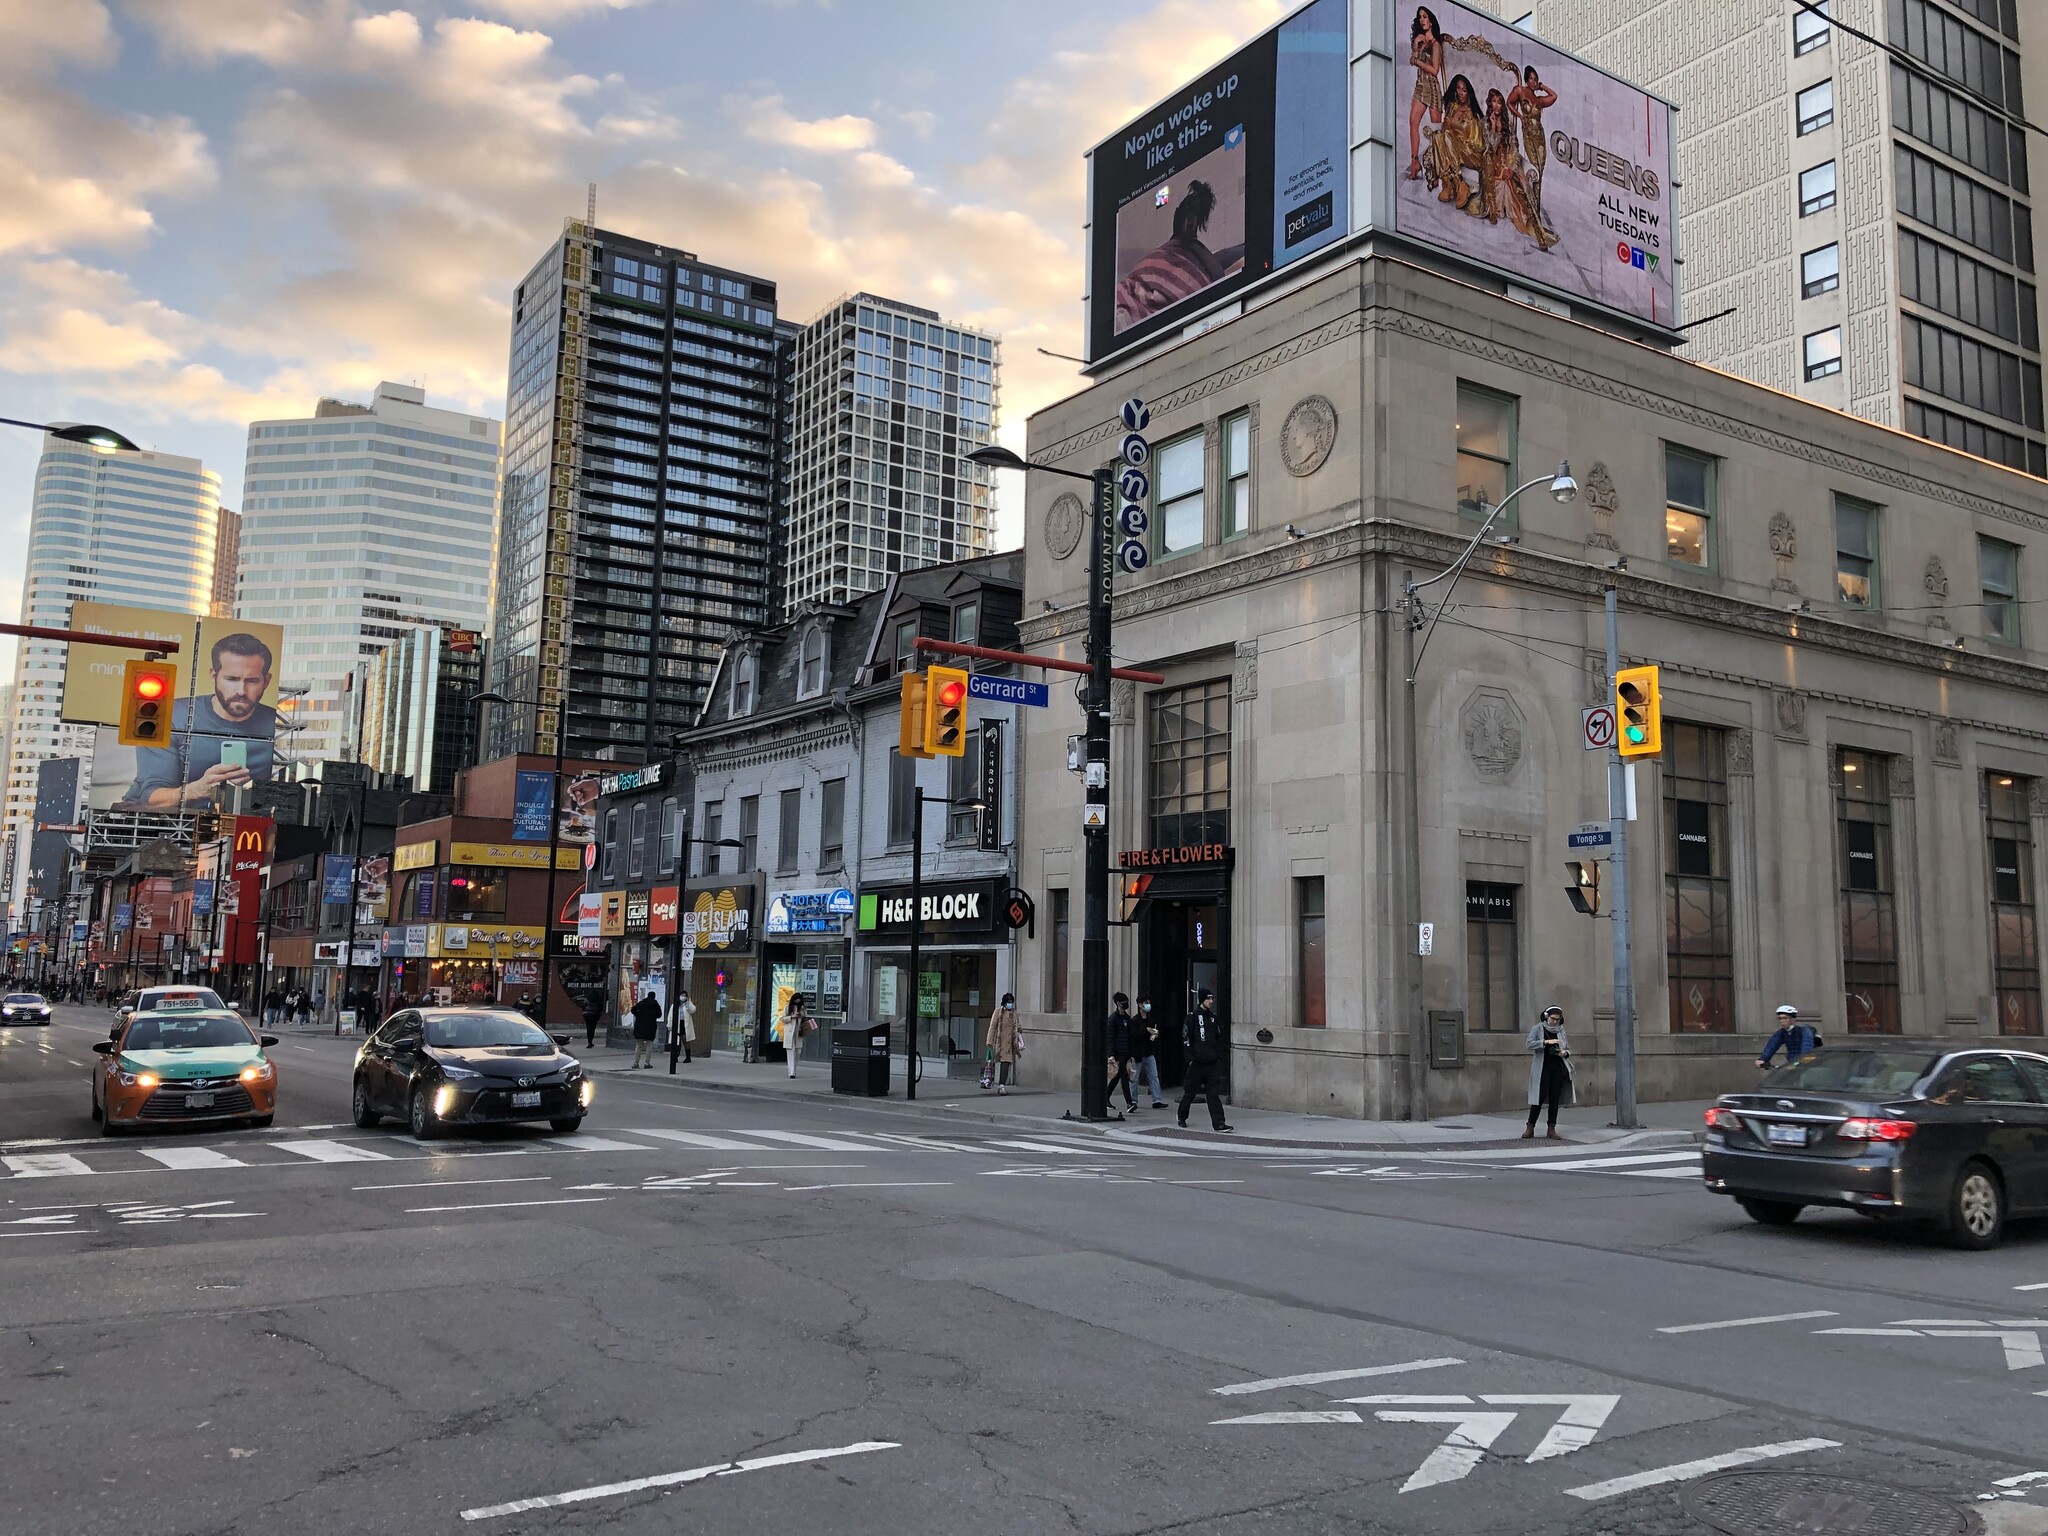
column 1786, row 1135
column 526, row 1100
column 199, row 1101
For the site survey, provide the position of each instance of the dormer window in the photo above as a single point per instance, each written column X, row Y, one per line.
column 906, row 645
column 966, row 621
column 811, row 664
column 743, row 680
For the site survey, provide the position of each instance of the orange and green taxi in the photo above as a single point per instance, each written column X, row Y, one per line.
column 178, row 1067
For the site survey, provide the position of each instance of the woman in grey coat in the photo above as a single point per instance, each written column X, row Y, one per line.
column 1550, row 1070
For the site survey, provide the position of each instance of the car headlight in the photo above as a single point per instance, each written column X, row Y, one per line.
column 456, row 1074
column 139, row 1079
column 258, row 1072
column 585, row 1092
column 444, row 1099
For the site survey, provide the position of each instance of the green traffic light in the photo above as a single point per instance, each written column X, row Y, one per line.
column 1637, row 735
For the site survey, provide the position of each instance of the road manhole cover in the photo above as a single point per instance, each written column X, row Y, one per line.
column 1810, row 1504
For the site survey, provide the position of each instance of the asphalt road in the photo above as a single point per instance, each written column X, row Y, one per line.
column 720, row 1312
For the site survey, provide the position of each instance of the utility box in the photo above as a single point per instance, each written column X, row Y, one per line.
column 1446, row 1038
column 860, row 1060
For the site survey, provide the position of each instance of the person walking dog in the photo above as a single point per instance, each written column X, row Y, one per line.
column 1550, row 1070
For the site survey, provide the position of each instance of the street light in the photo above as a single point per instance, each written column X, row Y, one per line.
column 1563, row 489
column 100, row 439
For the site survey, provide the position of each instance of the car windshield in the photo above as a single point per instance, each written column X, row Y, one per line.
column 472, row 1031
column 185, row 1032
column 1868, row 1074
column 25, row 997
column 171, row 1002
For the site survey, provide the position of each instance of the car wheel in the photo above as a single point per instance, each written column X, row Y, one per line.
column 567, row 1124
column 420, row 1116
column 1772, row 1213
column 107, row 1126
column 366, row 1117
column 1976, row 1208
column 95, row 1106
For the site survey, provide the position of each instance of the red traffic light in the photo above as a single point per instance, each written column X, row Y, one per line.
column 951, row 692
column 150, row 685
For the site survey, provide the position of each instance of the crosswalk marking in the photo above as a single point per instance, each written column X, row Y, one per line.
column 822, row 1143
column 1582, row 1164
column 581, row 1143
column 44, row 1165
column 698, row 1139
column 332, row 1152
column 191, row 1157
column 1023, row 1145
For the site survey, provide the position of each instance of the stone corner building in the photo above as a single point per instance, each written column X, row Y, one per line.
column 1849, row 811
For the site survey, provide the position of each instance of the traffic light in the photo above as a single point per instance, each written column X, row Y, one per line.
column 1582, row 885
column 910, row 717
column 1638, row 712
column 147, row 689
column 945, row 712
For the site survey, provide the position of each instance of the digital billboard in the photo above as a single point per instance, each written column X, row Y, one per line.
column 1224, row 182
column 1519, row 156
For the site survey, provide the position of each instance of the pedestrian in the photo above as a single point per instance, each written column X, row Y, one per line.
column 1550, row 1070
column 682, row 1030
column 593, row 1010
column 1121, row 1027
column 304, row 1010
column 273, row 1007
column 1145, row 1051
column 1201, row 1043
column 1799, row 1040
column 1005, row 1041
column 794, row 1025
column 646, row 1025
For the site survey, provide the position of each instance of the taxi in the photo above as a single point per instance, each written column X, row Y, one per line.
column 180, row 1067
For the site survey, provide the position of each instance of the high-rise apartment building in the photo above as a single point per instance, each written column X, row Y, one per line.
column 227, row 554
column 106, row 527
column 417, row 718
column 1860, row 207
column 358, row 523
column 644, row 416
column 887, row 402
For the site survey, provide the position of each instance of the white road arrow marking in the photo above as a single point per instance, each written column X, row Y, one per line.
column 2020, row 1336
column 1575, row 1427
column 2022, row 1350
column 1463, row 1449
column 1314, row 1416
column 1318, row 1378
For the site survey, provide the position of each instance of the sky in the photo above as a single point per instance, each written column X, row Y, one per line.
column 217, row 211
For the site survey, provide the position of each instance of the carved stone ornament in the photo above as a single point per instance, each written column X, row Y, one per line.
column 1123, row 702
column 1784, row 537
column 2037, row 797
column 1741, row 753
column 1308, row 435
column 1946, row 747
column 1601, row 495
column 1065, row 521
column 1791, row 713
column 1902, row 778
column 1492, row 728
column 1244, row 680
column 1936, row 580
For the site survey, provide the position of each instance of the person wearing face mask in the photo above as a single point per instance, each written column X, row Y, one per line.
column 1550, row 1070
column 1144, row 1069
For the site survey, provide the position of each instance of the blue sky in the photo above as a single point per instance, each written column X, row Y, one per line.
column 213, row 211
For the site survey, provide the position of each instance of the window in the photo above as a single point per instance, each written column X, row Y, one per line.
column 1998, row 569
column 1188, row 771
column 636, row 841
column 906, row 645
column 1309, row 952
column 1931, row 273
column 811, row 664
column 1237, row 473
column 966, row 620
column 671, row 835
column 2015, row 942
column 1970, row 372
column 1056, row 952
column 750, row 833
column 1856, row 583
column 743, row 684
column 1486, row 448
column 1493, row 963
column 1178, row 488
column 1817, row 189
column 475, row 893
column 1820, row 271
column 714, row 830
column 1823, row 353
column 1809, row 28
column 1870, row 933
column 789, row 811
column 1699, row 933
column 902, row 798
column 1816, row 106
column 1983, row 1080
column 832, row 824
column 963, row 782
column 1688, row 506
column 610, row 847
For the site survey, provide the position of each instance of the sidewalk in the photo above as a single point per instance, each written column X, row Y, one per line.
column 956, row 1098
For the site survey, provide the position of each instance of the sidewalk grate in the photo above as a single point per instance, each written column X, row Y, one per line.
column 1814, row 1504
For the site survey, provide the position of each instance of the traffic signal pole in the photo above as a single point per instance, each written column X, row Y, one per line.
column 1624, row 974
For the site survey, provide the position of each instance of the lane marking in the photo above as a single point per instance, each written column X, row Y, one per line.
column 1685, row 1471
column 581, row 1143
column 332, row 1152
column 505, row 1205
column 191, row 1157
column 45, row 1165
column 699, row 1139
column 1584, row 1414
column 798, row 1189
column 674, row 1479
column 1312, row 1416
column 820, row 1143
column 1471, row 1437
column 1023, row 1145
column 2038, row 1285
column 1317, row 1378
column 1747, row 1322
column 1582, row 1164
column 530, row 1178
column 53, row 1232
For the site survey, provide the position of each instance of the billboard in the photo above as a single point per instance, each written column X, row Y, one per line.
column 1228, row 180
column 1520, row 156
column 222, row 725
column 533, row 792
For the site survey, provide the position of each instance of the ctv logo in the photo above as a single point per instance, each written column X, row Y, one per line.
column 1635, row 256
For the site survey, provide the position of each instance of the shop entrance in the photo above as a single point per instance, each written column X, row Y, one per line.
column 1181, row 947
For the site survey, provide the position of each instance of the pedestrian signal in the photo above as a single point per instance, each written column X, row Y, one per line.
column 1582, row 885
column 1639, row 707
column 910, row 717
column 945, row 731
column 147, row 689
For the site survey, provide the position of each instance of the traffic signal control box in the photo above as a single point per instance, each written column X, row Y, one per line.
column 147, row 691
column 910, row 716
column 1638, row 712
column 945, row 704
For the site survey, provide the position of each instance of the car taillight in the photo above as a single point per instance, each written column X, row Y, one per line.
column 1722, row 1119
column 1863, row 1129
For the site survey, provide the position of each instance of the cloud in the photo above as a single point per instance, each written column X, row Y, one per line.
column 37, row 32
column 768, row 120
column 542, row 12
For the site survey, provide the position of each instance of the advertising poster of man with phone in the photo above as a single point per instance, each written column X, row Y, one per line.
column 219, row 737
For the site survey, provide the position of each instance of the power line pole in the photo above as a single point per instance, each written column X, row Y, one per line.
column 1617, row 822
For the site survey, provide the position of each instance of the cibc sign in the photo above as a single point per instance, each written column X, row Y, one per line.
column 1134, row 489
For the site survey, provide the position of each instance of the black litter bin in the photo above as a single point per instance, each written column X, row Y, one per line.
column 860, row 1060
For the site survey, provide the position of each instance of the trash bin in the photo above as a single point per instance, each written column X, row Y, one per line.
column 860, row 1060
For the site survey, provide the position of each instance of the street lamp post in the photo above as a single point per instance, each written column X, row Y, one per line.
column 103, row 439
column 1564, row 489
column 1095, row 830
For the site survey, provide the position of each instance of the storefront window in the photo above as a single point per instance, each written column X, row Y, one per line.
column 1189, row 765
column 1493, row 962
column 475, row 893
column 1699, row 931
column 1870, row 934
column 2015, row 946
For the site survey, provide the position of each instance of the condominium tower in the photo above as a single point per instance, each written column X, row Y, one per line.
column 888, row 401
column 358, row 523
column 1855, row 215
column 644, row 417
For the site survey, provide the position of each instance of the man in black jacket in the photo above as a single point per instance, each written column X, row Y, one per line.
column 1121, row 1031
column 1201, row 1043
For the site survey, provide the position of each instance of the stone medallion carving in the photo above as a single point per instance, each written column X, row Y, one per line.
column 1601, row 495
column 1492, row 728
column 1946, row 748
column 1936, row 580
column 1741, row 753
column 1784, row 550
column 1902, row 778
column 1308, row 435
column 1791, row 713
column 1065, row 521
column 1123, row 702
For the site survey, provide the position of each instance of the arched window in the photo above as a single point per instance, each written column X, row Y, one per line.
column 743, row 677
column 811, row 664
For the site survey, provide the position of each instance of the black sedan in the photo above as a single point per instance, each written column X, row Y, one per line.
column 438, row 1067
column 24, row 1008
column 1956, row 1137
